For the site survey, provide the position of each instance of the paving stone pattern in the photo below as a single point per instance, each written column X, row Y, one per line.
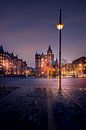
column 36, row 104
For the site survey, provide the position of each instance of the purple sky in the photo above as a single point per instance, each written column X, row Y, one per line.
column 27, row 26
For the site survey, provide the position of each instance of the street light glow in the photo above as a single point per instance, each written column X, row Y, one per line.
column 60, row 26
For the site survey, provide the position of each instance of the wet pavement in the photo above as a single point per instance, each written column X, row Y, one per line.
column 37, row 104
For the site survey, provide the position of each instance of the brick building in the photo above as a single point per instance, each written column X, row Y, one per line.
column 79, row 67
column 75, row 69
column 11, row 65
column 44, row 64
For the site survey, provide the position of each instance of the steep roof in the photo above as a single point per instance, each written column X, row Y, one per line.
column 49, row 49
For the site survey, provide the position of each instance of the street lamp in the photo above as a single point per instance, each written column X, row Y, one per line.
column 60, row 27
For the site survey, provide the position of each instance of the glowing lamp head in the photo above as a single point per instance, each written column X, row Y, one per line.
column 60, row 26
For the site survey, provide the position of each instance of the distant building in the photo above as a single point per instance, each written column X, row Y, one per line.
column 30, row 72
column 79, row 67
column 11, row 65
column 44, row 64
column 75, row 69
column 67, row 70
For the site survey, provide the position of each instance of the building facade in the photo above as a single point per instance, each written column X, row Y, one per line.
column 79, row 67
column 44, row 64
column 67, row 70
column 75, row 69
column 11, row 65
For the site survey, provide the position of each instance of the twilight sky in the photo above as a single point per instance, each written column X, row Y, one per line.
column 27, row 26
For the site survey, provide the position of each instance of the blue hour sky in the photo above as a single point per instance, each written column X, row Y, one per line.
column 27, row 26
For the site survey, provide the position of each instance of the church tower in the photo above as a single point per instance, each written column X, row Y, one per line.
column 50, row 56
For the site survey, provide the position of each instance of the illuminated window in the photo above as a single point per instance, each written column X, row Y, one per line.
column 42, row 65
column 45, row 59
column 42, row 59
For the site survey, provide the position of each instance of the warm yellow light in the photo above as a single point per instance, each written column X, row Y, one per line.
column 42, row 65
column 80, row 65
column 60, row 26
column 42, row 72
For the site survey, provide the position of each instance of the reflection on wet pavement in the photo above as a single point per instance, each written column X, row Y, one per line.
column 43, row 108
column 5, row 90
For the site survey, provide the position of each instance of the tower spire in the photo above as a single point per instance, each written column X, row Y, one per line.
column 49, row 49
column 1, row 48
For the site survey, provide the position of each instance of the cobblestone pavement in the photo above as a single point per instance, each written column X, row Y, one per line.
column 37, row 104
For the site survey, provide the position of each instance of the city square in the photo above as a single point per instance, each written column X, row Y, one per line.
column 37, row 104
column 42, row 65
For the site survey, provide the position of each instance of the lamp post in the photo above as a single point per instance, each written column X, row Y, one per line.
column 60, row 27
